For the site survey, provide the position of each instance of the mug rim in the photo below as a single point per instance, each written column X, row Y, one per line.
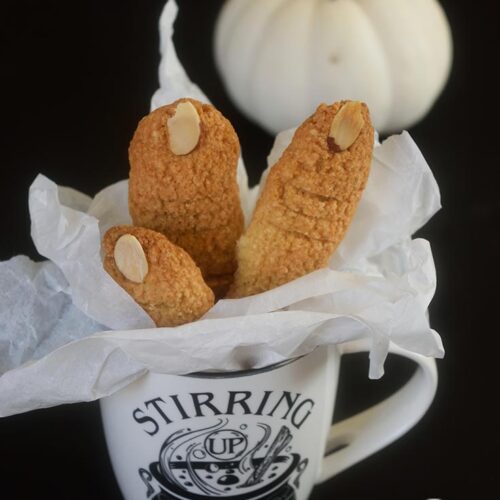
column 247, row 372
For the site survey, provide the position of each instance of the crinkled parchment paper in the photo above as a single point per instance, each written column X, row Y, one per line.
column 69, row 333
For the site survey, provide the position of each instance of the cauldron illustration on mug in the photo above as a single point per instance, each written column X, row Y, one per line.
column 257, row 434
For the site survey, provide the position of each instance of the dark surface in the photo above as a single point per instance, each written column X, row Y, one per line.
column 77, row 76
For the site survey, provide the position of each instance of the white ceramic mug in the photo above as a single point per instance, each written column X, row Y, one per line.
column 260, row 434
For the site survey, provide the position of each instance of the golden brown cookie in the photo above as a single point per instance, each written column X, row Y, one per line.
column 161, row 277
column 183, row 160
column 308, row 201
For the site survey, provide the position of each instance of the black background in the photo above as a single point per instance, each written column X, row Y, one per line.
column 77, row 76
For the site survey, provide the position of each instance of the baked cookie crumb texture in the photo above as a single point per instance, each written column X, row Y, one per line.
column 190, row 195
column 308, row 201
column 172, row 290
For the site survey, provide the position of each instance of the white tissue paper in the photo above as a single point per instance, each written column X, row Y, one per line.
column 69, row 333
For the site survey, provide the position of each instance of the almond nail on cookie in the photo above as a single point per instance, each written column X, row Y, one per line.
column 308, row 201
column 161, row 277
column 183, row 161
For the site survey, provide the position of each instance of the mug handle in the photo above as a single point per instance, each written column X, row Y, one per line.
column 367, row 432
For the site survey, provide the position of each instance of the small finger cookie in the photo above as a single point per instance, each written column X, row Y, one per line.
column 183, row 161
column 161, row 277
column 308, row 200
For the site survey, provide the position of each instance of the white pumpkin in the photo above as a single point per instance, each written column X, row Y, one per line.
column 280, row 58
